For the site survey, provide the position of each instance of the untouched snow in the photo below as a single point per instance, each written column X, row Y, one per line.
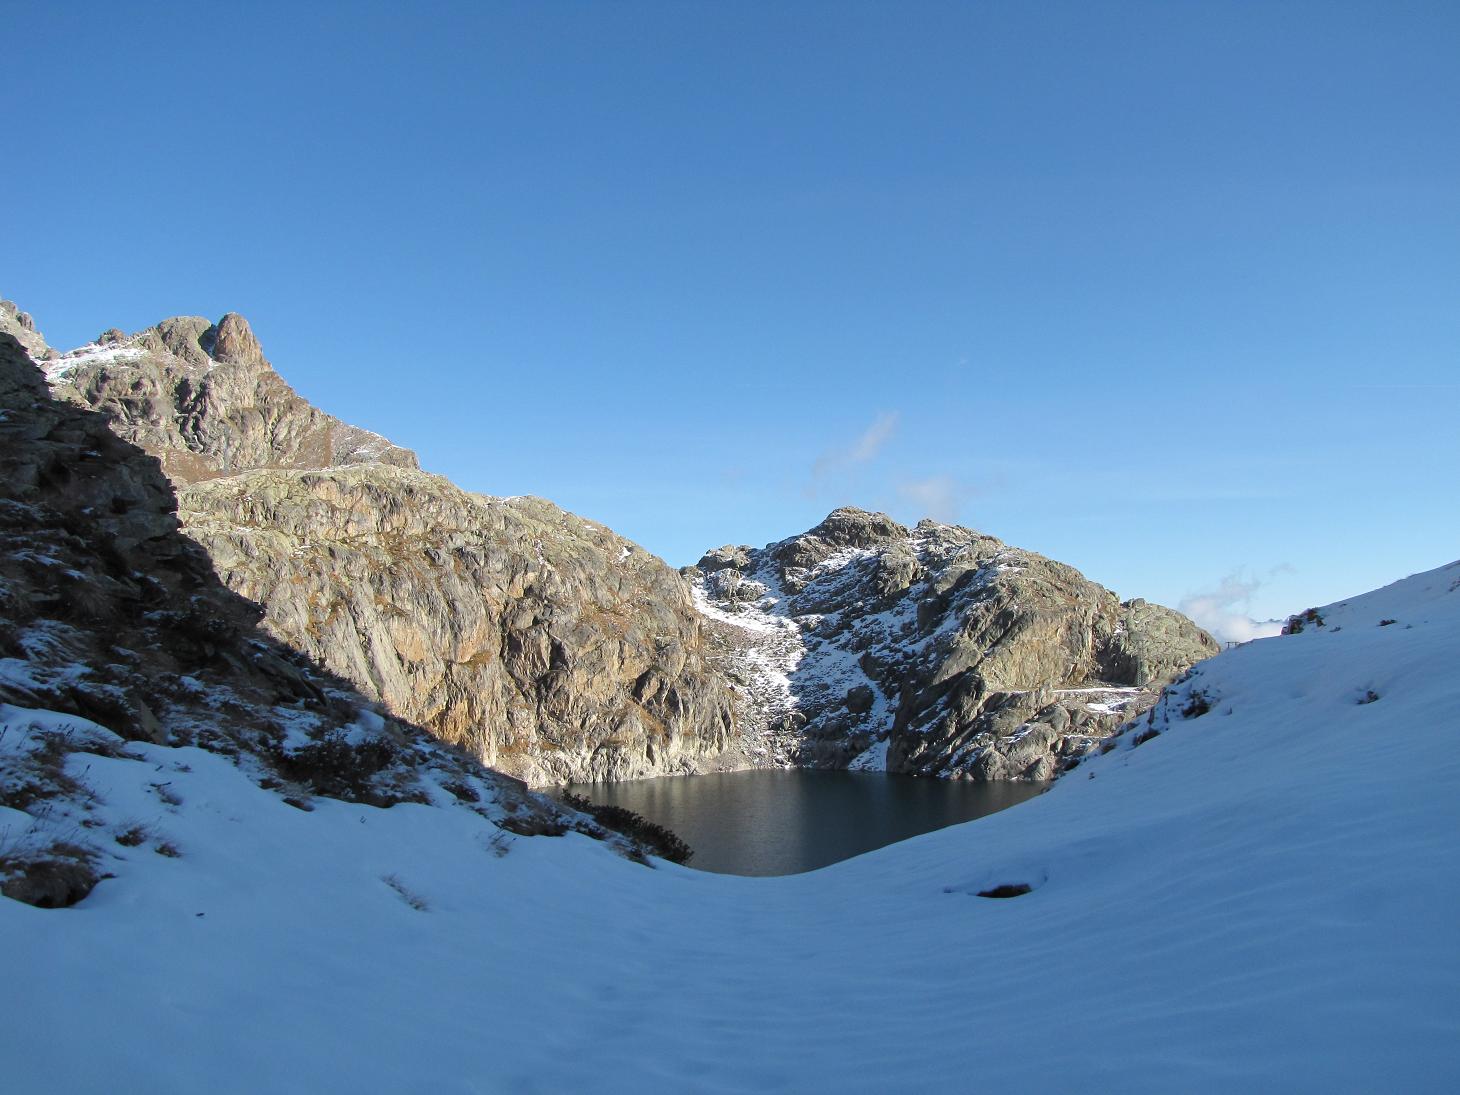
column 1261, row 898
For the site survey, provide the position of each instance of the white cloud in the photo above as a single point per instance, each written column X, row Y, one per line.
column 1222, row 611
column 863, row 448
column 940, row 497
column 870, row 443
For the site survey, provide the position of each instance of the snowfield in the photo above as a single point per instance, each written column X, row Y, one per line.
column 1263, row 896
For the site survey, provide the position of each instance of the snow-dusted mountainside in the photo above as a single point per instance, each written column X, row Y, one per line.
column 549, row 647
column 934, row 650
column 1252, row 889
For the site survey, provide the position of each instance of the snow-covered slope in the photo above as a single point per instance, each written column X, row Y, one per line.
column 1260, row 897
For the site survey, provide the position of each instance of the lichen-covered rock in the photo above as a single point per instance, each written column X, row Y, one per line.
column 935, row 651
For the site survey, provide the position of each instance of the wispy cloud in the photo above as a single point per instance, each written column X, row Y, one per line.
column 1224, row 611
column 940, row 497
column 863, row 449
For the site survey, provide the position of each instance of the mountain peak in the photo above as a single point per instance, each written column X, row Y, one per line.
column 849, row 526
column 203, row 399
column 233, row 342
column 21, row 327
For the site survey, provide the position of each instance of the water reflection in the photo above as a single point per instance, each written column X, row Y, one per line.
column 783, row 822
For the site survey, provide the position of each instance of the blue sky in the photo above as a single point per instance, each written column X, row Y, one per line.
column 1164, row 290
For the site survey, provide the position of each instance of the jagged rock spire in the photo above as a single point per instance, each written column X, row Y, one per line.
column 233, row 342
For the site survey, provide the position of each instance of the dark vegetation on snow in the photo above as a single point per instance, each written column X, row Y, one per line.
column 655, row 837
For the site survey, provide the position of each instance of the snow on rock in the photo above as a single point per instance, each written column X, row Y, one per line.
column 1258, row 898
column 60, row 369
column 934, row 650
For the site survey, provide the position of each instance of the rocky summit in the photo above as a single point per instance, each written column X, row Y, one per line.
column 203, row 399
column 548, row 646
column 935, row 650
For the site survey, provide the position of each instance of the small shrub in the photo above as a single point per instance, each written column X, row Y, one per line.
column 499, row 843
column 132, row 837
column 1197, row 704
column 336, row 768
column 169, row 849
column 1144, row 736
column 1296, row 624
column 165, row 792
column 1369, row 696
column 414, row 900
column 1008, row 889
column 463, row 791
column 1386, row 623
column 533, row 824
column 659, row 841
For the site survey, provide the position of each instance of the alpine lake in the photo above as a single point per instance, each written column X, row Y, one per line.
column 786, row 821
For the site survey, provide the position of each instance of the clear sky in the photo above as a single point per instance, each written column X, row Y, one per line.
column 1169, row 291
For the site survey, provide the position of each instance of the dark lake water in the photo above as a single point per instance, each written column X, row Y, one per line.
column 770, row 822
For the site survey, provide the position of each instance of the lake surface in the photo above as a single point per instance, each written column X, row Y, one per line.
column 769, row 821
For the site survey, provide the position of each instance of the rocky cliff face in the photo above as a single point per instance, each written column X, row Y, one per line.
column 934, row 650
column 551, row 648
column 110, row 615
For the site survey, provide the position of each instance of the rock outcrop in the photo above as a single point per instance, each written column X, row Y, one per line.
column 935, row 650
column 549, row 647
column 20, row 326
column 203, row 399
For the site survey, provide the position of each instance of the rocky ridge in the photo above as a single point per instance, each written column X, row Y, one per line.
column 202, row 397
column 549, row 647
column 934, row 651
